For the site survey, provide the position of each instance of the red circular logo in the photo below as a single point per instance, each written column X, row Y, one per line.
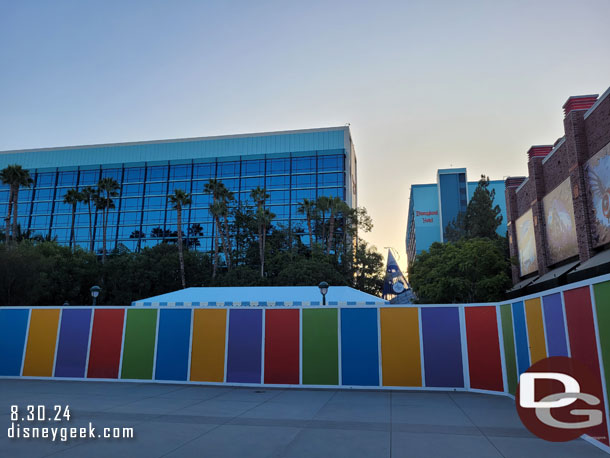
column 559, row 399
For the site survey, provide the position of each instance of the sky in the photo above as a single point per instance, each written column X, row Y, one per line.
column 423, row 84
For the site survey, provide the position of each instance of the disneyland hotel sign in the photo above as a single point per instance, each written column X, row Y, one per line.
column 426, row 220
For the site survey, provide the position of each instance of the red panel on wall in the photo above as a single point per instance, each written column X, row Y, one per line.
column 282, row 346
column 106, row 342
column 484, row 360
column 583, row 344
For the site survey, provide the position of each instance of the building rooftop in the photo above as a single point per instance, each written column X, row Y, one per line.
column 261, row 295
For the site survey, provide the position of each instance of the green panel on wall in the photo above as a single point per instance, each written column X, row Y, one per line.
column 320, row 347
column 139, row 345
column 509, row 347
column 601, row 292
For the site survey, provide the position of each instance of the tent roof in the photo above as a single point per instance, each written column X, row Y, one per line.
column 261, row 295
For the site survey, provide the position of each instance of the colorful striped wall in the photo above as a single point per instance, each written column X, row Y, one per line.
column 459, row 347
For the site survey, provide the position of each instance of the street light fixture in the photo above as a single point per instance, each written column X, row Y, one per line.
column 323, row 290
column 95, row 291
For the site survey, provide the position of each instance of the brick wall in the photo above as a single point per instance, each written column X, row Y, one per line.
column 586, row 132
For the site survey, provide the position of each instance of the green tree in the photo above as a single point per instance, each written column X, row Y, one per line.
column 481, row 219
column 16, row 177
column 308, row 208
column 323, row 206
column 72, row 197
column 107, row 188
column 221, row 197
column 88, row 196
column 263, row 219
column 180, row 199
column 335, row 205
column 474, row 270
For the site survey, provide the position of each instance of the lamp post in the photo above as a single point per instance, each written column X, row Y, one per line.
column 323, row 290
column 95, row 291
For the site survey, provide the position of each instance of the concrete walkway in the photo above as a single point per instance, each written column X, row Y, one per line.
column 179, row 420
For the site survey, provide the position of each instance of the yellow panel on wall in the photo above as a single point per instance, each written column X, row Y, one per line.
column 208, row 350
column 535, row 329
column 400, row 352
column 42, row 337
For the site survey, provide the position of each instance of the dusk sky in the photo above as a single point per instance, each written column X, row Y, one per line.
column 424, row 84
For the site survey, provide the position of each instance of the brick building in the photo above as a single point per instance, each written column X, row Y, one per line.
column 559, row 215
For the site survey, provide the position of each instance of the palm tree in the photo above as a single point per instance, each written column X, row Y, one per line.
column 308, row 208
column 180, row 199
column 219, row 208
column 16, row 177
column 227, row 196
column 263, row 218
column 72, row 197
column 107, row 188
column 336, row 206
column 88, row 197
column 323, row 205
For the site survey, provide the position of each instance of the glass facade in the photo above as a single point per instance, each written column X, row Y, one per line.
column 142, row 216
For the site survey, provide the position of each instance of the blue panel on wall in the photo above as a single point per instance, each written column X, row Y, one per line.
column 73, row 345
column 442, row 347
column 523, row 357
column 173, row 344
column 359, row 347
column 244, row 347
column 13, row 326
column 555, row 325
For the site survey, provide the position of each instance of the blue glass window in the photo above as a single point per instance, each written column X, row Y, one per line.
column 154, row 202
column 62, row 235
column 180, row 172
column 298, row 196
column 199, row 187
column 45, row 179
column 279, row 197
column 278, row 182
column 156, row 188
column 134, row 203
column 280, row 211
column 330, row 163
column 255, row 167
column 4, row 196
column 232, row 184
column 248, row 184
column 134, row 189
column 131, row 217
column 25, row 195
column 304, row 181
column 41, row 222
column 133, row 174
column 81, row 233
column 184, row 185
column 42, row 207
column 87, row 178
column 200, row 215
column 82, row 219
column 157, row 173
column 330, row 179
column 44, row 194
column 61, row 220
column 331, row 192
column 153, row 217
column 228, row 169
column 201, row 200
column 278, row 166
column 66, row 178
column 126, row 231
column 303, row 164
column 112, row 173
column 204, row 171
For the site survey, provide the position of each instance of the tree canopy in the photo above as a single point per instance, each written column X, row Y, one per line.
column 472, row 265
